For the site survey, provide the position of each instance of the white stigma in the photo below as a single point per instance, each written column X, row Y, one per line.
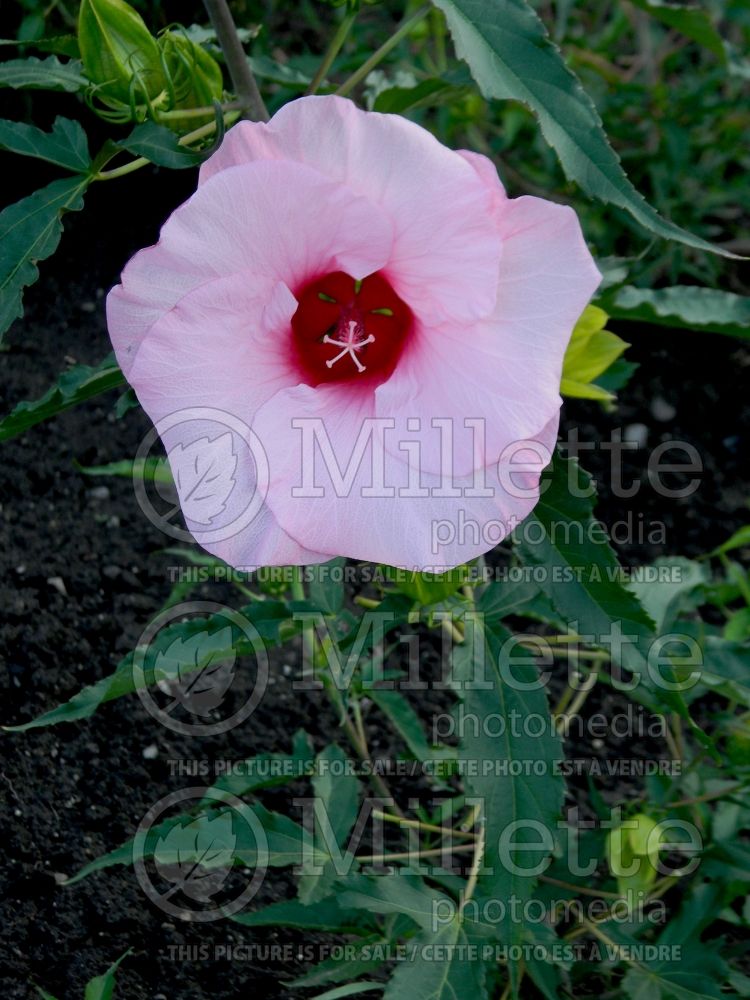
column 349, row 346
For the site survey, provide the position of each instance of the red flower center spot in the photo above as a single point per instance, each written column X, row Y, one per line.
column 346, row 330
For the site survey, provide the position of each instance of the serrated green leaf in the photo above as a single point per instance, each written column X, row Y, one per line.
column 440, row 965
column 524, row 788
column 325, row 915
column 79, row 383
column 512, row 58
column 405, row 720
column 182, row 839
column 581, row 573
column 398, row 892
column 30, row 231
column 268, row 618
column 266, row 770
column 359, row 959
column 43, row 74
column 687, row 307
column 65, row 144
column 62, row 45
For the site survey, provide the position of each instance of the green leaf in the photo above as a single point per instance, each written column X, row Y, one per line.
column 182, row 840
column 336, row 806
column 523, row 791
column 398, row 892
column 79, row 383
column 440, row 966
column 349, row 990
column 581, row 573
column 687, row 307
column 29, row 232
column 62, row 45
column 511, row 57
column 152, row 468
column 266, row 770
column 326, row 585
column 325, row 915
column 337, row 789
column 396, row 100
column 591, row 351
column 43, row 74
column 358, row 959
column 738, row 540
column 172, row 651
column 161, row 146
column 690, row 20
column 65, row 145
column 404, row 719
column 668, row 587
column 44, row 994
column 103, row 987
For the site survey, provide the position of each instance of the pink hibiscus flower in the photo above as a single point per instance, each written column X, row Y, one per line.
column 350, row 341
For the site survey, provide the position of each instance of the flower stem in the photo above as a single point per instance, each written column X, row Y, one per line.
column 379, row 54
column 332, row 51
column 239, row 68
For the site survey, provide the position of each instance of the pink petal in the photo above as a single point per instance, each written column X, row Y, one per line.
column 202, row 372
column 446, row 250
column 418, row 532
column 280, row 220
column 502, row 374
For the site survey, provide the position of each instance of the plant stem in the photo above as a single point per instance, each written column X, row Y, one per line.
column 356, row 737
column 433, row 852
column 379, row 54
column 239, row 68
column 580, row 889
column 333, row 50
column 197, row 112
column 476, row 864
column 416, row 824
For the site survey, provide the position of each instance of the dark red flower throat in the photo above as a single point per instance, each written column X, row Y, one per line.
column 349, row 330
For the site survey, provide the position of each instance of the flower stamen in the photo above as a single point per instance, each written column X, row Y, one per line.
column 349, row 346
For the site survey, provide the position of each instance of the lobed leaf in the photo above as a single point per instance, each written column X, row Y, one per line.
column 43, row 74
column 30, row 231
column 65, row 144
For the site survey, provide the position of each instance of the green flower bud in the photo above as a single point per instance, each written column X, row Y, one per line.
column 121, row 57
column 194, row 79
column 633, row 853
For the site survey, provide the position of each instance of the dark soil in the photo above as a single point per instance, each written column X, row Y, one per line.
column 82, row 574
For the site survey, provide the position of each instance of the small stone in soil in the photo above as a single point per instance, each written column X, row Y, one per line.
column 662, row 410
